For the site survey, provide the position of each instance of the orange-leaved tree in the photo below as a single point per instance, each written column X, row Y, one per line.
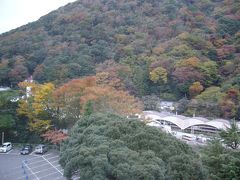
column 112, row 74
column 195, row 89
column 67, row 100
column 79, row 95
column 55, row 136
column 108, row 99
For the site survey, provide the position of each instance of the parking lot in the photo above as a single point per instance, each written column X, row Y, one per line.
column 14, row 166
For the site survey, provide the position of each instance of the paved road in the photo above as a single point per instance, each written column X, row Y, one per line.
column 14, row 166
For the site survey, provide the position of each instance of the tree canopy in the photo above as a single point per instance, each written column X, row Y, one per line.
column 231, row 136
column 144, row 47
column 220, row 162
column 77, row 96
column 107, row 146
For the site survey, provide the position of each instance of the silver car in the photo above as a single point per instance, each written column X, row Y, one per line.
column 41, row 149
column 7, row 146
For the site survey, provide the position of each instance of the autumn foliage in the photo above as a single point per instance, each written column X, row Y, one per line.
column 36, row 105
column 230, row 103
column 54, row 136
column 195, row 89
column 103, row 97
column 142, row 47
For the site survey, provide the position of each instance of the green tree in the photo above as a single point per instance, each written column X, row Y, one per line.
column 212, row 95
column 107, row 146
column 88, row 108
column 210, row 72
column 7, row 122
column 207, row 103
column 231, row 136
column 8, row 113
column 220, row 162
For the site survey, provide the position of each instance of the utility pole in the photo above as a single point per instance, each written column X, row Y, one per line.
column 2, row 137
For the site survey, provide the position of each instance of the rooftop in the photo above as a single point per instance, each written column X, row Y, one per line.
column 184, row 122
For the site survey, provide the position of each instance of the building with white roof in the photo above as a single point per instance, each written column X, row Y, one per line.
column 187, row 124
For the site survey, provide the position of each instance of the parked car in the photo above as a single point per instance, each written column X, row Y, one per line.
column 7, row 146
column 41, row 149
column 27, row 149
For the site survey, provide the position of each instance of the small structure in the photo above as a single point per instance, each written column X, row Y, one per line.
column 28, row 88
column 4, row 88
column 166, row 106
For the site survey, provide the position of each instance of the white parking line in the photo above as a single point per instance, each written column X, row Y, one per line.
column 53, row 166
column 30, row 170
column 58, row 178
column 42, row 170
column 53, row 157
column 33, row 167
column 46, row 155
column 22, row 177
column 55, row 161
column 34, row 158
column 40, row 166
column 48, row 175
column 9, row 151
column 35, row 162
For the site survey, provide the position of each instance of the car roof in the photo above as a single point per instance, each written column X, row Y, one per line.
column 6, row 143
column 27, row 145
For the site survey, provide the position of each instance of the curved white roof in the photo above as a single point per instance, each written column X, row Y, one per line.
column 194, row 121
column 218, row 124
column 184, row 122
column 202, row 119
column 175, row 120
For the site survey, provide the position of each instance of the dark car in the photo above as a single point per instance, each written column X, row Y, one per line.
column 27, row 149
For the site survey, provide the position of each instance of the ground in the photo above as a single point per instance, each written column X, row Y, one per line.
column 14, row 166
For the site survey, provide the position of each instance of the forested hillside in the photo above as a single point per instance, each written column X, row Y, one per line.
column 170, row 48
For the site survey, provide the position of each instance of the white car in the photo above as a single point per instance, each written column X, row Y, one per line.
column 7, row 146
column 41, row 149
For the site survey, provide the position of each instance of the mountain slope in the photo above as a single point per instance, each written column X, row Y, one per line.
column 168, row 45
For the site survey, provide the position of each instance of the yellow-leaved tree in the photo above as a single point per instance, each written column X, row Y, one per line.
column 159, row 74
column 36, row 105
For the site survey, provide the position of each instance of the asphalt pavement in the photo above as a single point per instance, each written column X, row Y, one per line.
column 14, row 166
